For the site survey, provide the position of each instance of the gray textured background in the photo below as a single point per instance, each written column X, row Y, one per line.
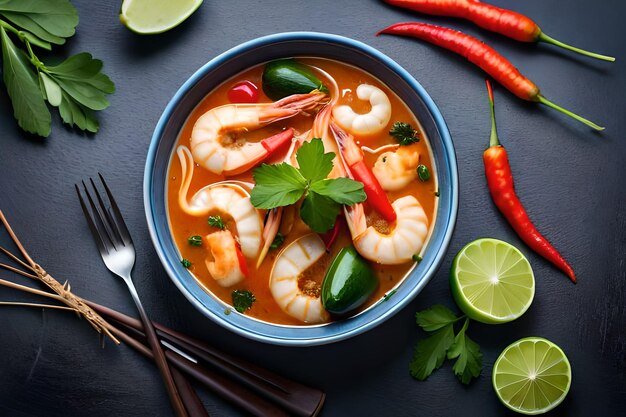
column 570, row 179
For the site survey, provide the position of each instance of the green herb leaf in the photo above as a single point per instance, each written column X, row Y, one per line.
column 431, row 352
column 276, row 185
column 51, row 20
column 242, row 300
column 29, row 107
column 423, row 173
column 216, row 221
column 416, row 258
column 75, row 114
column 279, row 239
column 84, row 68
column 314, row 164
column 435, row 318
column 470, row 360
column 186, row 263
column 319, row 212
column 53, row 92
column 341, row 190
column 195, row 240
column 404, row 133
column 87, row 91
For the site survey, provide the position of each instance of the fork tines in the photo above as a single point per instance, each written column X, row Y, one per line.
column 105, row 221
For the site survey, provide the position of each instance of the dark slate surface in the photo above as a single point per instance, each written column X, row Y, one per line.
column 570, row 179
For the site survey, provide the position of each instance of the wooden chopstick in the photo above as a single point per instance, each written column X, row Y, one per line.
column 296, row 398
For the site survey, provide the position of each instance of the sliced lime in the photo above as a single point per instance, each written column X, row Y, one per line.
column 492, row 281
column 532, row 376
column 156, row 16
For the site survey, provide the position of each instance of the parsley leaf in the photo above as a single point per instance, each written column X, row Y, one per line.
column 279, row 239
column 282, row 184
column 314, row 164
column 404, row 133
column 319, row 212
column 29, row 107
column 341, row 190
column 242, row 300
column 435, row 318
column 277, row 185
column 431, row 352
column 76, row 86
column 216, row 221
column 50, row 20
column 470, row 359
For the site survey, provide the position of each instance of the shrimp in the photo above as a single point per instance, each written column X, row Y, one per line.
column 304, row 305
column 226, row 197
column 409, row 227
column 227, row 267
column 369, row 123
column 215, row 141
column 395, row 170
column 406, row 238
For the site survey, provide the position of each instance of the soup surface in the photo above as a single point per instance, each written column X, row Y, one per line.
column 183, row 225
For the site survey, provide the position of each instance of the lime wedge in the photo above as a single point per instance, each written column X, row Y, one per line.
column 492, row 281
column 532, row 376
column 149, row 17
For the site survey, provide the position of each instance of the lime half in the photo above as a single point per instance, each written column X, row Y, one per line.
column 532, row 376
column 492, row 281
column 156, row 16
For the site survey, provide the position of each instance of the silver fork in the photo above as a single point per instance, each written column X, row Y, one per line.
column 118, row 253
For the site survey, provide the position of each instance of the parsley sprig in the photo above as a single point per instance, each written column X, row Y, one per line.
column 242, row 300
column 281, row 185
column 443, row 343
column 76, row 86
column 404, row 133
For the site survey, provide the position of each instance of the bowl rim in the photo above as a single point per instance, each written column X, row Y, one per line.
column 231, row 53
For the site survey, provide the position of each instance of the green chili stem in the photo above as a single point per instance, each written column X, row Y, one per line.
column 547, row 39
column 493, row 140
column 548, row 103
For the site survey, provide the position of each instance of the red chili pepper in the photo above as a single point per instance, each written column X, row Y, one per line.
column 483, row 56
column 243, row 265
column 244, row 92
column 329, row 237
column 502, row 189
column 353, row 157
column 505, row 22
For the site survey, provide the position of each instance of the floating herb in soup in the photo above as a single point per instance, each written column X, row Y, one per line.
column 311, row 204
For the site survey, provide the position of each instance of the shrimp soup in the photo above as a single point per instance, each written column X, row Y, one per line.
column 301, row 191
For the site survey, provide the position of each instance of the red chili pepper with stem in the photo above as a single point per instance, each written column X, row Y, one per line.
column 505, row 22
column 485, row 57
column 502, row 189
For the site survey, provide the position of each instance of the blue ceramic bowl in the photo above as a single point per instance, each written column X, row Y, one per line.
column 265, row 49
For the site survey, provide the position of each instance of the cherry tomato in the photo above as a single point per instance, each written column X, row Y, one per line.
column 244, row 92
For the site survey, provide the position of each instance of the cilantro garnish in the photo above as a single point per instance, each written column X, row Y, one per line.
column 186, row 263
column 195, row 240
column 278, row 241
column 281, row 185
column 243, row 300
column 216, row 221
column 76, row 86
column 432, row 351
column 404, row 133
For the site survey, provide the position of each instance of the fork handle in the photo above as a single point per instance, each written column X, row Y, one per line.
column 159, row 356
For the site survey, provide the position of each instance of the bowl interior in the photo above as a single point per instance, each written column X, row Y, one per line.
column 280, row 46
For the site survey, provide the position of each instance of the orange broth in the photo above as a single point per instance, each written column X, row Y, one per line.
column 183, row 225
